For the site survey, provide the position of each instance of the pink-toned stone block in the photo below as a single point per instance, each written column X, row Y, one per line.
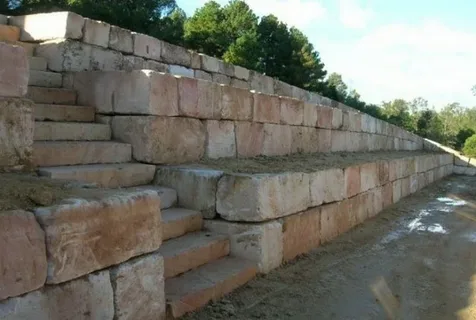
column 221, row 139
column 266, row 108
column 236, row 103
column 324, row 117
column 368, row 176
column 249, row 138
column 352, row 181
column 383, row 172
column 292, row 111
column 338, row 141
column 199, row 99
column 15, row 72
column 337, row 118
column 277, row 140
column 310, row 115
column 304, row 139
column 324, row 140
column 327, row 186
column 355, row 123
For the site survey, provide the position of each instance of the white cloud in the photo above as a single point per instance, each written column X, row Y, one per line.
column 352, row 15
column 405, row 61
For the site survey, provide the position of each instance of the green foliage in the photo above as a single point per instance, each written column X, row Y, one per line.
column 4, row 6
column 469, row 148
column 462, row 136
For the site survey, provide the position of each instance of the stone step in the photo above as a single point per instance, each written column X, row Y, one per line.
column 191, row 251
column 51, row 95
column 27, row 46
column 178, row 221
column 60, row 131
column 9, row 33
column 210, row 282
column 104, row 175
column 60, row 153
column 37, row 63
column 67, row 113
column 45, row 79
column 168, row 196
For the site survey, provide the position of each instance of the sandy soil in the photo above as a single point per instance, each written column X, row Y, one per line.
column 416, row 260
column 301, row 162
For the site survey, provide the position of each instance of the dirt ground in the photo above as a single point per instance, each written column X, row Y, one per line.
column 416, row 260
column 301, row 162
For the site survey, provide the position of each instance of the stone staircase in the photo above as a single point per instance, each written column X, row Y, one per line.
column 70, row 145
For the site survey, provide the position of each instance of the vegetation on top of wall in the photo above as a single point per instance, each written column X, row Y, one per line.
column 469, row 148
column 234, row 33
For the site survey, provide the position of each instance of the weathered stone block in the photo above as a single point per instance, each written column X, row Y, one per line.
column 106, row 60
column 337, row 119
column 249, row 138
column 134, row 63
column 262, row 197
column 15, row 71
column 339, row 141
column 199, row 99
column 195, row 60
column 16, row 133
column 22, row 253
column 139, row 289
column 304, row 140
column 277, row 140
column 324, row 117
column 242, row 73
column 161, row 140
column 221, row 139
column 173, row 54
column 336, row 218
column 413, row 183
column 406, row 187
column 355, row 122
column 369, row 176
column 261, row 243
column 210, row 64
column 121, row 40
column 282, row 88
column 65, row 55
column 352, row 181
column 387, row 195
column 292, row 111
column 196, row 188
column 266, row 108
column 61, row 25
column 240, row 84
column 261, row 83
column 397, row 190
column 202, row 75
column 3, row 19
column 158, row 66
column 226, row 68
column 324, row 140
column 236, row 104
column 300, row 94
column 221, row 79
column 146, row 46
column 327, row 186
column 96, row 32
column 310, row 115
column 301, row 233
column 90, row 297
column 383, row 172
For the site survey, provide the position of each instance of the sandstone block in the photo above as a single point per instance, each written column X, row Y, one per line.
column 37, row 63
column 87, row 235
column 310, row 115
column 406, row 187
column 266, row 108
column 304, row 140
column 339, row 141
column 242, row 73
column 336, row 218
column 324, row 117
column 199, row 74
column 397, row 190
column 261, row 83
column 226, row 69
column 134, row 63
column 96, row 32
column 221, row 79
column 139, row 288
column 352, row 181
column 369, row 176
column 282, row 88
column 146, row 46
column 377, row 200
column 15, row 71
column 301, row 233
column 327, row 186
column 300, row 94
column 121, row 40
column 174, row 140
column 16, row 133
column 413, row 183
column 199, row 99
column 221, row 139
column 337, row 119
column 9, row 33
column 210, row 64
column 177, row 222
column 181, row 71
column 157, row 66
column 61, row 25
column 173, row 54
column 261, row 243
column 236, row 104
column 292, row 111
column 196, row 188
column 355, row 122
column 65, row 55
column 249, row 139
column 195, row 60
column 325, row 140
column 243, row 197
column 22, row 252
column 277, row 140
column 105, row 60
column 383, row 172
column 242, row 84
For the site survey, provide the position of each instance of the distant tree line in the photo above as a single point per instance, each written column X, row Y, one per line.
column 234, row 33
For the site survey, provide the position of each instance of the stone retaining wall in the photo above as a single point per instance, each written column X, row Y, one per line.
column 272, row 218
column 173, row 119
column 72, row 260
column 463, row 165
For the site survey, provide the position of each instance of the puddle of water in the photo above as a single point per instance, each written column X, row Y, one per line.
column 452, row 202
column 437, row 228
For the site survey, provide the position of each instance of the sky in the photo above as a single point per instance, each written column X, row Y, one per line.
column 387, row 49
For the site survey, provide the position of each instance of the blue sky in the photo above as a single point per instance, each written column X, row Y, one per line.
column 387, row 49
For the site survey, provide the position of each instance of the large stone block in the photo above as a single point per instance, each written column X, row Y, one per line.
column 325, row 140
column 261, row 197
column 282, row 88
column 369, row 176
column 196, row 188
column 266, row 108
column 87, row 235
column 236, row 104
column 336, row 218
column 242, row 84
column 310, row 115
column 139, row 289
column 90, row 297
column 210, row 64
column 106, row 60
column 261, row 243
column 324, row 117
column 301, row 233
column 47, row 26
column 146, row 46
column 158, row 66
column 180, row 70
column 327, row 186
column 352, row 181
column 387, row 195
column 292, row 111
column 134, row 63
column 199, row 99
column 22, row 254
column 173, row 54
column 221, row 142
column 65, row 55
column 339, row 141
column 202, row 75
column 221, row 79
column 337, row 119
column 121, row 40
column 261, row 83
column 383, row 170
column 161, row 140
column 277, row 140
column 249, row 138
column 96, row 32
column 16, row 133
column 304, row 140
column 15, row 71
column 242, row 73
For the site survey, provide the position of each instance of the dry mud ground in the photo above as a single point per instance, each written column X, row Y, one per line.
column 417, row 260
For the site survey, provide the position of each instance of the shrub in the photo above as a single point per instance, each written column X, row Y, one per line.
column 469, row 148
